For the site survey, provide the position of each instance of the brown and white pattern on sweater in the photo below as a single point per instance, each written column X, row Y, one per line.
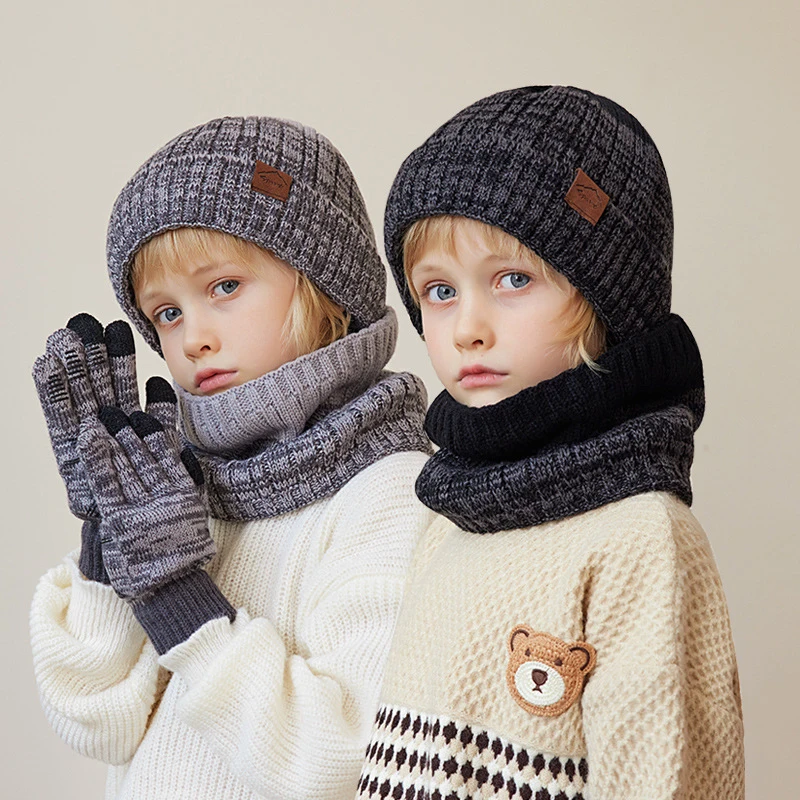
column 412, row 756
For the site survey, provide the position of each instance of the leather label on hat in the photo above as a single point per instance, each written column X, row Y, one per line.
column 271, row 181
column 587, row 198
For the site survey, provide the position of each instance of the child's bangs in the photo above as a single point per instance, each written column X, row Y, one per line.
column 439, row 233
column 166, row 253
column 428, row 233
column 506, row 246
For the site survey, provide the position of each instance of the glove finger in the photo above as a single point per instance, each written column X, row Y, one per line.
column 96, row 448
column 63, row 426
column 161, row 402
column 164, row 446
column 134, row 459
column 122, row 358
column 192, row 466
column 51, row 386
column 67, row 347
column 91, row 334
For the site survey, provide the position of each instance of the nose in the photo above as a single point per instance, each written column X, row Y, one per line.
column 473, row 329
column 200, row 336
column 539, row 677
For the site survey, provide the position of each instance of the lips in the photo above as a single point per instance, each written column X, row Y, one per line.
column 478, row 376
column 210, row 380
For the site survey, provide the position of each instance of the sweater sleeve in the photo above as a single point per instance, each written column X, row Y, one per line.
column 661, row 711
column 292, row 718
column 97, row 674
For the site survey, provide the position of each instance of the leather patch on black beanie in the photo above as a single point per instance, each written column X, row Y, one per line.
column 271, row 181
column 587, row 198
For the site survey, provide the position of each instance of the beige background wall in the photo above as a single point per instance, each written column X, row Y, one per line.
column 90, row 89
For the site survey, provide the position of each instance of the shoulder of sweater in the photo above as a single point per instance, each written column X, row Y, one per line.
column 644, row 520
column 660, row 509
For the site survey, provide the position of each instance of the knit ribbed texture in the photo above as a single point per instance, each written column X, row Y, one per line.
column 202, row 178
column 90, row 561
column 301, row 432
column 510, row 159
column 278, row 703
column 660, row 713
column 174, row 611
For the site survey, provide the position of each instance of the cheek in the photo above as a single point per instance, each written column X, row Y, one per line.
column 541, row 331
column 180, row 370
column 258, row 321
column 258, row 338
column 438, row 344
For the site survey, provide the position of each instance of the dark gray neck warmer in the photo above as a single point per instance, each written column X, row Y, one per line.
column 577, row 442
column 299, row 433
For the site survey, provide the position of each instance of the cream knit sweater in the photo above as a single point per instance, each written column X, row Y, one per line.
column 657, row 716
column 278, row 704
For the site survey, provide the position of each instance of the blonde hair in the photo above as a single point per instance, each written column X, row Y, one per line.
column 313, row 320
column 583, row 332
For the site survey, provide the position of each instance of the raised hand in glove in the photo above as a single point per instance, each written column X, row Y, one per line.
column 153, row 526
column 83, row 368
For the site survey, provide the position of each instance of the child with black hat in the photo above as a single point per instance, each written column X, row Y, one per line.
column 564, row 632
column 223, row 629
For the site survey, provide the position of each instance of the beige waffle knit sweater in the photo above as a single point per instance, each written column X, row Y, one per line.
column 659, row 714
column 278, row 704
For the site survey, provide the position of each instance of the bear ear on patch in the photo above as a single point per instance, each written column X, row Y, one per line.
column 521, row 631
column 583, row 655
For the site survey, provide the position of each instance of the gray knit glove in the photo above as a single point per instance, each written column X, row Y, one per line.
column 83, row 368
column 153, row 526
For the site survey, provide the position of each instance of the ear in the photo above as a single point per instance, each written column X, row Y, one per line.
column 518, row 636
column 584, row 656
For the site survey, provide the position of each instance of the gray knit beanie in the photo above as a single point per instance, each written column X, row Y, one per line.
column 570, row 174
column 273, row 182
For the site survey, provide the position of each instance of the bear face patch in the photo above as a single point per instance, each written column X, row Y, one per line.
column 545, row 675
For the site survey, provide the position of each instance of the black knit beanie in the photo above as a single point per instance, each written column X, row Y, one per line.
column 572, row 175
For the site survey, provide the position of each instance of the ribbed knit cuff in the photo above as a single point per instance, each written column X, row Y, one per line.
column 90, row 561
column 172, row 613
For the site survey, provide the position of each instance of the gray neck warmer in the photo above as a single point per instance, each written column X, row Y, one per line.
column 300, row 432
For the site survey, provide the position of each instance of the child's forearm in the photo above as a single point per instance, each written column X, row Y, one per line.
column 95, row 669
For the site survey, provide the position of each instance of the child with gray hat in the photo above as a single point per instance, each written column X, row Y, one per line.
column 564, row 632
column 222, row 630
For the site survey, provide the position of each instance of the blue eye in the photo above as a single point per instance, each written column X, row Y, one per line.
column 440, row 293
column 515, row 280
column 168, row 315
column 227, row 287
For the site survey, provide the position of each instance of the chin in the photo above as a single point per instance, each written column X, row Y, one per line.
column 479, row 399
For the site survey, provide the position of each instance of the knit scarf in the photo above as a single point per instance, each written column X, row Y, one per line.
column 573, row 443
column 300, row 432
